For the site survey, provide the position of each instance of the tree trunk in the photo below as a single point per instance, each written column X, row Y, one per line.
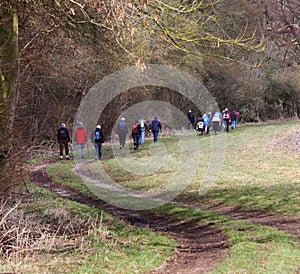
column 9, row 73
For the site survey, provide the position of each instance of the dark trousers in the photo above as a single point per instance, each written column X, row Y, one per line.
column 216, row 126
column 155, row 136
column 136, row 138
column 226, row 123
column 98, row 150
column 63, row 144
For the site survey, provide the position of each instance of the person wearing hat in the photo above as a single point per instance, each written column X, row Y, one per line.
column 143, row 127
column 98, row 141
column 81, row 137
column 63, row 139
column 122, row 131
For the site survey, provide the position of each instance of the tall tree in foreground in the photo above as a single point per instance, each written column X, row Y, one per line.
column 9, row 73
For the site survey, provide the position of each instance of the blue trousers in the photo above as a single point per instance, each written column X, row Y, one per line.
column 142, row 137
column 233, row 124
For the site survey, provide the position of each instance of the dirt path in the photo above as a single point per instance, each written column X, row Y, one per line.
column 200, row 248
column 289, row 226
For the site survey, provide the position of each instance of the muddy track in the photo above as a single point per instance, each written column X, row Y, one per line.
column 287, row 225
column 200, row 248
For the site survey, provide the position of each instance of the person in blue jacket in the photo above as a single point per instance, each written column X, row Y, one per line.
column 206, row 121
column 155, row 127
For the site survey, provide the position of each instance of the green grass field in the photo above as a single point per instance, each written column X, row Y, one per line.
column 258, row 173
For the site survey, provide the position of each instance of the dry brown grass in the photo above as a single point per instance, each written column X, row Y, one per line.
column 24, row 236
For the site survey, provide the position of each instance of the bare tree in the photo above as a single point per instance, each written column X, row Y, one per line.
column 9, row 75
column 194, row 27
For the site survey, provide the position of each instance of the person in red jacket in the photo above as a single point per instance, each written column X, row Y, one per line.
column 81, row 137
column 226, row 118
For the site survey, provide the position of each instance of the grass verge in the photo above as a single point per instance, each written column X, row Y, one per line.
column 47, row 234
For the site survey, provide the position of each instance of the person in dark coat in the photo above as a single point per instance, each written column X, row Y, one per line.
column 191, row 118
column 226, row 119
column 63, row 139
column 233, row 119
column 155, row 127
column 200, row 125
column 98, row 141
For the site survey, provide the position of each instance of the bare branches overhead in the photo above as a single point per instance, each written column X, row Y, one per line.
column 194, row 27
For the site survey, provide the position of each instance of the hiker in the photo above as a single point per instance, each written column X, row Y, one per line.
column 226, row 119
column 98, row 141
column 63, row 139
column 191, row 118
column 122, row 131
column 237, row 115
column 155, row 127
column 200, row 125
column 233, row 119
column 81, row 137
column 216, row 122
column 206, row 122
column 143, row 127
column 136, row 133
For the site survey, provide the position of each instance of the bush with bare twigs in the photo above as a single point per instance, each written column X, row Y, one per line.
column 23, row 235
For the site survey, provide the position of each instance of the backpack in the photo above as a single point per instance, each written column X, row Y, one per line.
column 97, row 136
column 200, row 125
column 226, row 115
column 135, row 129
column 216, row 118
column 62, row 134
column 122, row 126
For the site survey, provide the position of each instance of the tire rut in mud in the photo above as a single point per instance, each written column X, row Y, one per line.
column 286, row 224
column 200, row 247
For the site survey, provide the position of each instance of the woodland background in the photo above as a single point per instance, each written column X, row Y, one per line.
column 246, row 52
